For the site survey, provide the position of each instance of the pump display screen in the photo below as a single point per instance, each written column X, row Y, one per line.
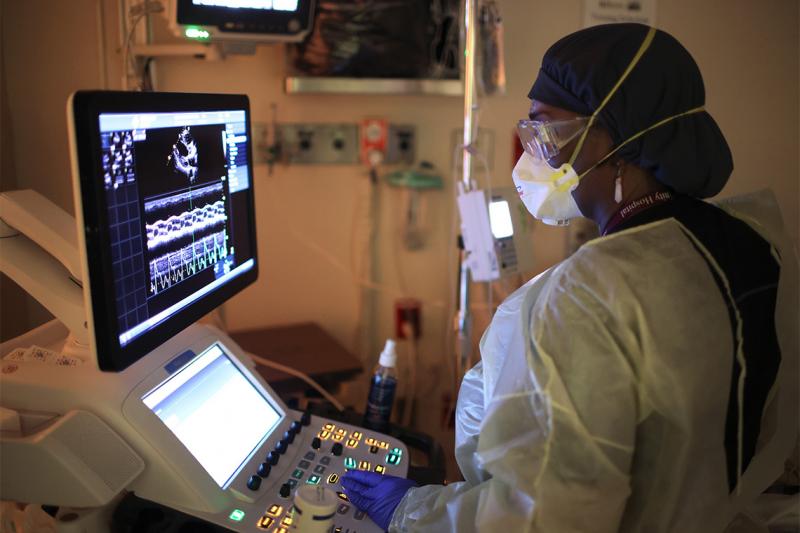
column 500, row 219
column 215, row 411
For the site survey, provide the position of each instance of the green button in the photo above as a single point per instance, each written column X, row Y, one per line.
column 349, row 463
column 236, row 515
column 397, row 451
column 297, row 473
column 393, row 459
column 313, row 480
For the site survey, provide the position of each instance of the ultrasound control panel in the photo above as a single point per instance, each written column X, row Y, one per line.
column 229, row 436
column 316, row 451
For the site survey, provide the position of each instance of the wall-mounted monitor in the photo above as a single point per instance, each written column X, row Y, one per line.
column 242, row 20
column 164, row 195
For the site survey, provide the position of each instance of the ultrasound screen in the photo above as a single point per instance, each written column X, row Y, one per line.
column 176, row 190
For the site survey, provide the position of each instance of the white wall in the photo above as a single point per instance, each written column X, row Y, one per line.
column 747, row 50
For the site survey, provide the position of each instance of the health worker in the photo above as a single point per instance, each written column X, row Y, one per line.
column 647, row 383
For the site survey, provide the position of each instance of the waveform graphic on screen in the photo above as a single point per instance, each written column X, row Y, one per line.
column 189, row 196
column 185, row 224
column 176, row 266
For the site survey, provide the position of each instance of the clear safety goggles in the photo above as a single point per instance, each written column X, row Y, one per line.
column 544, row 140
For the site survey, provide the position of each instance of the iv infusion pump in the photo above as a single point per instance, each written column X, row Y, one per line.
column 125, row 393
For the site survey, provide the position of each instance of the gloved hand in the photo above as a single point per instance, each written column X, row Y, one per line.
column 376, row 494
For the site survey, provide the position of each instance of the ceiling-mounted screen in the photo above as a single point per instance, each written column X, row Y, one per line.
column 243, row 20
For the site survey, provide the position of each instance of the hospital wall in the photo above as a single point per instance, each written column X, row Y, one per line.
column 311, row 224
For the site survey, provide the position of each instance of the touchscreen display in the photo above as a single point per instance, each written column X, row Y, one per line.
column 216, row 412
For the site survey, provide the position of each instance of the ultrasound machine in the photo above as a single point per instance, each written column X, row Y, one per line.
column 126, row 393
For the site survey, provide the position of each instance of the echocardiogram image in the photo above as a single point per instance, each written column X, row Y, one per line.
column 172, row 159
column 183, row 159
column 186, row 205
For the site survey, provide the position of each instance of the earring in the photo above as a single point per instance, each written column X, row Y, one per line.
column 618, row 184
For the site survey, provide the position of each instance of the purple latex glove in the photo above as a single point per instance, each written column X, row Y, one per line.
column 376, row 494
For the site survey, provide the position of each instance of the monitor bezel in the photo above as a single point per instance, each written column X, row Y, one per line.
column 92, row 214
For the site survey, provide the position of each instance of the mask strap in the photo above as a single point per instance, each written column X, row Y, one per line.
column 566, row 185
column 651, row 33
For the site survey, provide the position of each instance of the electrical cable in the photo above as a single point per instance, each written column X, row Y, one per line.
column 296, row 373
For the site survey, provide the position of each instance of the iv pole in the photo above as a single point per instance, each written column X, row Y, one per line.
column 464, row 322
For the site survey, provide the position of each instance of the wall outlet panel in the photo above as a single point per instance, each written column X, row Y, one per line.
column 400, row 145
column 319, row 143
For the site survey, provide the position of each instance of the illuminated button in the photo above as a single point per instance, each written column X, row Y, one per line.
column 266, row 522
column 236, row 515
column 328, row 427
column 342, row 432
column 364, row 465
column 297, row 474
column 370, row 441
column 337, row 529
column 324, row 435
column 356, row 435
column 383, row 445
column 343, row 496
column 343, row 508
column 338, row 438
column 393, row 459
column 282, row 530
column 275, row 510
column 313, row 479
column 373, row 449
column 333, row 479
column 349, row 463
column 352, row 443
column 380, row 469
column 287, row 521
column 397, row 451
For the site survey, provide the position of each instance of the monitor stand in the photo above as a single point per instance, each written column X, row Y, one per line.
column 39, row 251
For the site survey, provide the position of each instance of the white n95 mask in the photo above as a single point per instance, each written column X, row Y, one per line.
column 546, row 193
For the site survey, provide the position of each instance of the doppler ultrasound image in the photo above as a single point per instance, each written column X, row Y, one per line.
column 183, row 158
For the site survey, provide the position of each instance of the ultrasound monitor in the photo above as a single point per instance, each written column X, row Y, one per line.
column 164, row 191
